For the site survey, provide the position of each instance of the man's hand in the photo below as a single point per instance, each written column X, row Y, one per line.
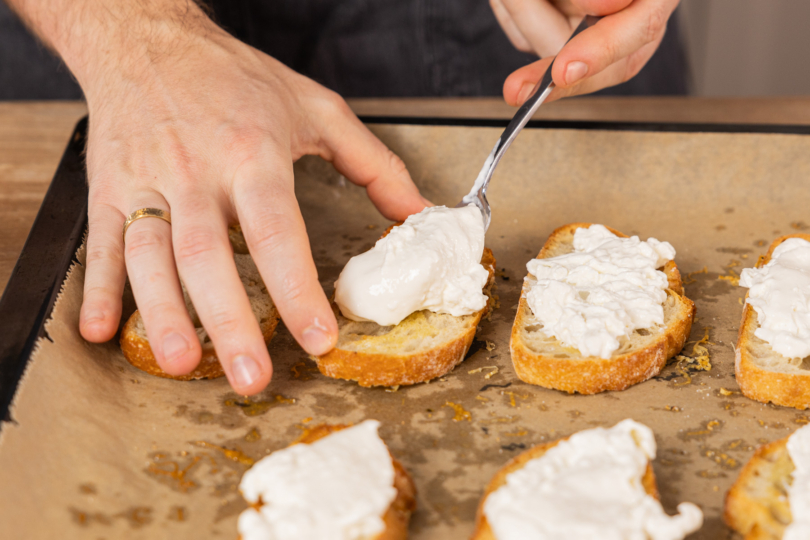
column 611, row 52
column 185, row 118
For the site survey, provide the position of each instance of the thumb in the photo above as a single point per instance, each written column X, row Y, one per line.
column 366, row 161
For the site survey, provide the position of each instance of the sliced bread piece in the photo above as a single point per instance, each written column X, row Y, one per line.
column 544, row 361
column 423, row 346
column 483, row 531
column 757, row 505
column 135, row 344
column 762, row 373
column 398, row 515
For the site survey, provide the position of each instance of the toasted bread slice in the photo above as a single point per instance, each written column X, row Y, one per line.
column 762, row 373
column 757, row 505
column 483, row 531
column 398, row 515
column 425, row 345
column 135, row 344
column 544, row 361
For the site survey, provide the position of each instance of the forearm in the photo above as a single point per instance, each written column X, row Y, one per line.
column 103, row 39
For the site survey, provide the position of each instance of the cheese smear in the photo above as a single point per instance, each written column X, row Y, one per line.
column 798, row 447
column 588, row 487
column 780, row 294
column 608, row 287
column 432, row 261
column 337, row 488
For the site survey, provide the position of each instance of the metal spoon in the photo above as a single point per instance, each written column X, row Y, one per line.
column 478, row 194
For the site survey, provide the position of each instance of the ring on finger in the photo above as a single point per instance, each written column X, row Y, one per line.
column 145, row 213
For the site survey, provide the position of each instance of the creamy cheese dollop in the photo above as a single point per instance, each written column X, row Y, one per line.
column 337, row 488
column 432, row 261
column 798, row 447
column 605, row 289
column 588, row 487
column 780, row 294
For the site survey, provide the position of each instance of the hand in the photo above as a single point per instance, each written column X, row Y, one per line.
column 202, row 125
column 611, row 52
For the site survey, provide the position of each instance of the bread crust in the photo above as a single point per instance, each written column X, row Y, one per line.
column 756, row 506
column 591, row 375
column 398, row 515
column 139, row 353
column 757, row 383
column 390, row 369
column 483, row 531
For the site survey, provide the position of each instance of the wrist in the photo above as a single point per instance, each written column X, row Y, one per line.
column 128, row 43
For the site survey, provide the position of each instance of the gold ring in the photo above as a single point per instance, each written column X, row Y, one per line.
column 145, row 213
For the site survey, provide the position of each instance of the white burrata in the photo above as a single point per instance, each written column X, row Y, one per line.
column 588, row 487
column 780, row 294
column 605, row 289
column 432, row 261
column 337, row 488
column 798, row 447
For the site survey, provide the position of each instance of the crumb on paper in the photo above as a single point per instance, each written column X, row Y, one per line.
column 699, row 361
column 731, row 276
column 461, row 414
column 690, row 277
column 495, row 370
column 396, row 387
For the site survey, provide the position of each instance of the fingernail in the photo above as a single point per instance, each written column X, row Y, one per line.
column 245, row 371
column 426, row 202
column 575, row 72
column 93, row 316
column 316, row 340
column 174, row 345
column 525, row 92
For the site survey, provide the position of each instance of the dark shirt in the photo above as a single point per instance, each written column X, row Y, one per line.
column 360, row 48
column 366, row 48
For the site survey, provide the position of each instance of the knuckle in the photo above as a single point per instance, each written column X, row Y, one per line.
column 271, row 231
column 656, row 24
column 397, row 166
column 224, row 322
column 158, row 313
column 336, row 105
column 102, row 253
column 195, row 246
column 143, row 241
column 295, row 288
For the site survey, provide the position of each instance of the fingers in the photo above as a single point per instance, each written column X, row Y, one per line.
column 519, row 84
column 105, row 276
column 540, row 23
column 366, row 161
column 205, row 263
column 595, row 7
column 509, row 27
column 614, row 50
column 611, row 40
column 278, row 242
column 156, row 286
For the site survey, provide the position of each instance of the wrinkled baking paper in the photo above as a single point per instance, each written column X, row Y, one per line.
column 99, row 450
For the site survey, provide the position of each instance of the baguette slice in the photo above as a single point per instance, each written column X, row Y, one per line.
column 398, row 515
column 762, row 373
column 546, row 362
column 757, row 505
column 135, row 344
column 423, row 346
column 483, row 531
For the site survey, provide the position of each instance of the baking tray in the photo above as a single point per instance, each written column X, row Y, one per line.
column 701, row 447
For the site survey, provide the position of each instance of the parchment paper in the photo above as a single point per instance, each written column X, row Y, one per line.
column 98, row 449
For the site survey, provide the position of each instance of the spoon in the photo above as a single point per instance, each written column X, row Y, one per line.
column 478, row 194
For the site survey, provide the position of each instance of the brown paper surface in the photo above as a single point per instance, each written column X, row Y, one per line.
column 100, row 450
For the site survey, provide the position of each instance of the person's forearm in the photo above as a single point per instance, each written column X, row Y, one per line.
column 97, row 38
